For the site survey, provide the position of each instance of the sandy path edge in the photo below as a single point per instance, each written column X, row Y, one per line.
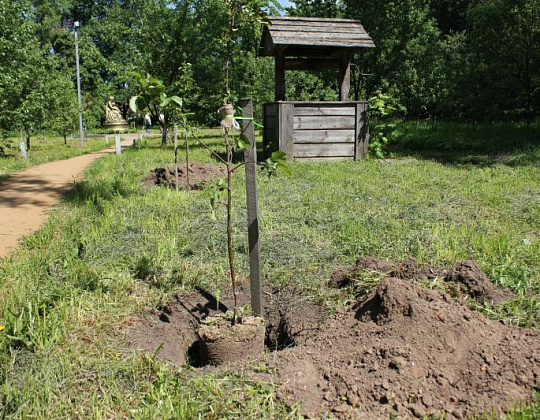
column 26, row 196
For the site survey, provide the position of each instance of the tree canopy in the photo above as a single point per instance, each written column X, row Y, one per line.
column 438, row 58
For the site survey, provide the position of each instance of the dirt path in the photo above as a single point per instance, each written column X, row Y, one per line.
column 26, row 196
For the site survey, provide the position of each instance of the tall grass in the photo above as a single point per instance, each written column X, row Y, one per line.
column 115, row 249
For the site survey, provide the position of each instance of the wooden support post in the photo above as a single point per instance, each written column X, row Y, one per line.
column 345, row 76
column 361, row 131
column 280, row 75
column 250, row 156
column 286, row 121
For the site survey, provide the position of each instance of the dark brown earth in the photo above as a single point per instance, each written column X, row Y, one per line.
column 199, row 175
column 402, row 350
column 468, row 279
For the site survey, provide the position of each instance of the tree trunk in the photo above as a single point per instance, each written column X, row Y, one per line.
column 27, row 131
column 163, row 136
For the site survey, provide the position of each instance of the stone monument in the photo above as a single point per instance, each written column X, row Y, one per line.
column 113, row 116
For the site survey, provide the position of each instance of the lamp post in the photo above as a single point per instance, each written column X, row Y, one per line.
column 81, row 128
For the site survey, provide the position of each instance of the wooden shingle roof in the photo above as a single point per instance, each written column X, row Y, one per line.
column 307, row 36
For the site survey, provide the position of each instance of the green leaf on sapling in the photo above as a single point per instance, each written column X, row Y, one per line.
column 133, row 103
column 278, row 156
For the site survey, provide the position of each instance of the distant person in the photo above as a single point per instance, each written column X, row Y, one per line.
column 147, row 122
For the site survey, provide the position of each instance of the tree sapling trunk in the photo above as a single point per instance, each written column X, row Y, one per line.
column 230, row 168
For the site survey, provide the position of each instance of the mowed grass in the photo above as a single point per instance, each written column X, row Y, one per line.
column 46, row 149
column 115, row 249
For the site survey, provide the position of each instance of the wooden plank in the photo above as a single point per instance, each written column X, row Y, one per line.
column 297, row 37
column 339, row 31
column 286, row 142
column 322, row 123
column 322, row 110
column 361, row 131
column 324, row 150
column 324, row 136
column 250, row 156
column 321, row 42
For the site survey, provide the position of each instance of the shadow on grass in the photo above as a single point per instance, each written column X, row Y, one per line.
column 470, row 144
column 95, row 194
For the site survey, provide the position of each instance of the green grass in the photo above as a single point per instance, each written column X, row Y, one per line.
column 477, row 144
column 115, row 249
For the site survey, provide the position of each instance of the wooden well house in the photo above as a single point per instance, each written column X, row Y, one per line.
column 315, row 130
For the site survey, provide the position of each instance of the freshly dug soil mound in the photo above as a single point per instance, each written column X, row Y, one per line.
column 199, row 174
column 410, row 352
column 402, row 350
column 471, row 281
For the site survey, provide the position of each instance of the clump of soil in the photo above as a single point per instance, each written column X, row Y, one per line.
column 473, row 282
column 402, row 350
column 199, row 175
column 469, row 279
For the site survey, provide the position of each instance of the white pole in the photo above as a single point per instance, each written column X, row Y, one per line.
column 23, row 150
column 118, row 147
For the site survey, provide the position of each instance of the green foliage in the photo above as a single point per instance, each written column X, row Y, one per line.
column 383, row 110
column 152, row 96
column 276, row 162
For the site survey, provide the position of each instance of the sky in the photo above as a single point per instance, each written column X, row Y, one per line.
column 285, row 3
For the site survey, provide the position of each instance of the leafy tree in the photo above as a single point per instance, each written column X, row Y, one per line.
column 504, row 41
column 33, row 87
column 153, row 98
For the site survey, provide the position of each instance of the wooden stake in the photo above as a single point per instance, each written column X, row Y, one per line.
column 250, row 156
column 176, row 155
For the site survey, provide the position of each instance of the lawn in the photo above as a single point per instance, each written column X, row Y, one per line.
column 71, row 289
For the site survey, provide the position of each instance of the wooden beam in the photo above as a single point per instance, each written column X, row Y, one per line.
column 286, row 140
column 280, row 75
column 312, row 64
column 250, row 156
column 345, row 76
